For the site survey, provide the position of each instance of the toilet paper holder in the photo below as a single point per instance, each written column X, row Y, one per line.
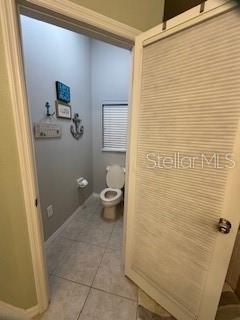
column 82, row 182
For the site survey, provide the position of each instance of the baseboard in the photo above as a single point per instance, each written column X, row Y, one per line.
column 60, row 229
column 11, row 311
column 33, row 312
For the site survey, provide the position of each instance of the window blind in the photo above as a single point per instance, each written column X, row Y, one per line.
column 115, row 124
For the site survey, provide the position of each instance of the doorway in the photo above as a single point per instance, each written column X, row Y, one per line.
column 78, row 18
column 209, row 310
column 84, row 251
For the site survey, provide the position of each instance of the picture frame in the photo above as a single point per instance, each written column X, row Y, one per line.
column 63, row 110
column 63, row 92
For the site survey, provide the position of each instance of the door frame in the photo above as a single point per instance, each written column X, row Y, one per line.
column 183, row 21
column 76, row 18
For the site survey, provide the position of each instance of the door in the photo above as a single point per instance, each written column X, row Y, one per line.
column 183, row 170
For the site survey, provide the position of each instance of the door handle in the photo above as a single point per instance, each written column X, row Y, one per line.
column 224, row 226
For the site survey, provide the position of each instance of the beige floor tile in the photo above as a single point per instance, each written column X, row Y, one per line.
column 150, row 305
column 116, row 239
column 85, row 212
column 89, row 210
column 56, row 252
column 97, row 232
column 75, row 227
column 110, row 276
column 105, row 306
column 92, row 203
column 145, row 314
column 81, row 263
column 97, row 215
column 119, row 222
column 67, row 300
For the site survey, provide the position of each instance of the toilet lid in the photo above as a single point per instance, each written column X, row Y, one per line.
column 115, row 177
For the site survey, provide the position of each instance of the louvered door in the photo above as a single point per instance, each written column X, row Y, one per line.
column 183, row 144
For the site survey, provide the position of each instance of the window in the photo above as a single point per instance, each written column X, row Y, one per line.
column 115, row 123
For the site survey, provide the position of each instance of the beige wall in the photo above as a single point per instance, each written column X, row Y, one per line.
column 16, row 274
column 16, row 281
column 140, row 14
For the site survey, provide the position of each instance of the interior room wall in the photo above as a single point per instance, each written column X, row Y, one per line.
column 52, row 53
column 140, row 14
column 16, row 271
column 111, row 70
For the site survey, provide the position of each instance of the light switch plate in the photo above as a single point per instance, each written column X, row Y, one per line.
column 50, row 211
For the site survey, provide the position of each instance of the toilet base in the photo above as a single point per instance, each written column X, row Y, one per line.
column 112, row 213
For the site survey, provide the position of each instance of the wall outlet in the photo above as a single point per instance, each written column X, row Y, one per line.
column 50, row 211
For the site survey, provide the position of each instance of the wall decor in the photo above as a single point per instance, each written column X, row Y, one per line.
column 44, row 130
column 48, row 107
column 63, row 110
column 63, row 92
column 77, row 132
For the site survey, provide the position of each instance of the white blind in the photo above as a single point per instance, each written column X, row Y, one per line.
column 115, row 122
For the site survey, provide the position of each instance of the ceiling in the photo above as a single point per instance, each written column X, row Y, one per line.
column 175, row 7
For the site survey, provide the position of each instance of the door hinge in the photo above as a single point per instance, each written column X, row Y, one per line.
column 36, row 202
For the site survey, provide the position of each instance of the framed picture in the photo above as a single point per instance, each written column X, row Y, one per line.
column 63, row 92
column 63, row 110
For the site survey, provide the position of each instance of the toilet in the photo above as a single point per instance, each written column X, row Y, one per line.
column 112, row 196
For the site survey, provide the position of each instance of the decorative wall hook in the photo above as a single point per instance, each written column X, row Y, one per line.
column 77, row 132
column 48, row 106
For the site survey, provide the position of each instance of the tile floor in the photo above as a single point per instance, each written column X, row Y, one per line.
column 86, row 275
column 85, row 272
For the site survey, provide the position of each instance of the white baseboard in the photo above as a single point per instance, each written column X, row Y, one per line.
column 33, row 312
column 60, row 229
column 10, row 312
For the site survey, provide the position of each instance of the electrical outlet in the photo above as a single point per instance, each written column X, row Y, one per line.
column 50, row 211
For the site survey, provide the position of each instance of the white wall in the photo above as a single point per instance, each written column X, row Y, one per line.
column 52, row 53
column 111, row 70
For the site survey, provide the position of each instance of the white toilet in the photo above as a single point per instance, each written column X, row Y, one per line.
column 113, row 195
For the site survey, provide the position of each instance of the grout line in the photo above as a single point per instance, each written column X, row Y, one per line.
column 88, row 221
column 95, row 274
column 63, row 258
column 114, row 294
column 92, row 287
column 81, row 310
column 105, row 249
column 73, row 281
column 85, row 242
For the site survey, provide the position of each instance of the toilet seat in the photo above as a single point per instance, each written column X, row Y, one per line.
column 117, row 193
